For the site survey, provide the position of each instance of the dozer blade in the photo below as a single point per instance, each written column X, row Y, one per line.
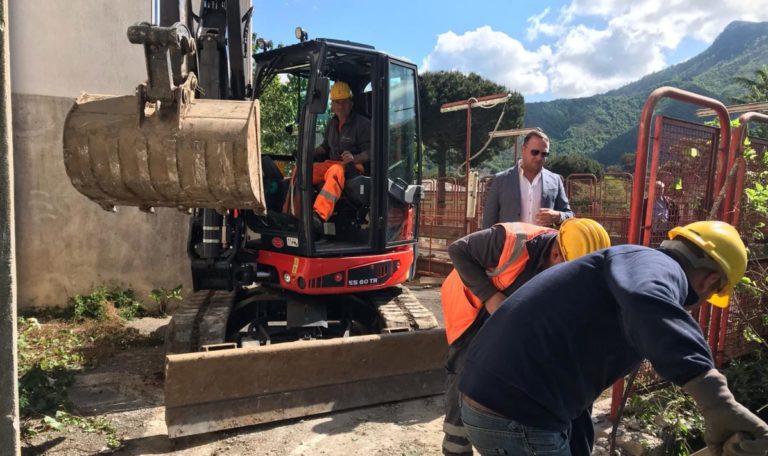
column 204, row 155
column 210, row 391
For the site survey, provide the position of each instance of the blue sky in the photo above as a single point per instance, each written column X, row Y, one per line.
column 543, row 49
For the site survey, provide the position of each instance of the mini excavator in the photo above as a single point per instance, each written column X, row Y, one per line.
column 283, row 321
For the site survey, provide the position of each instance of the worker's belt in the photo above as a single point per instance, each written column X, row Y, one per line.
column 478, row 406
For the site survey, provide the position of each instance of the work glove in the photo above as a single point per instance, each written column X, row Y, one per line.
column 723, row 416
column 741, row 445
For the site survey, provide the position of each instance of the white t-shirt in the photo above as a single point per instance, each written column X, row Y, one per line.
column 530, row 196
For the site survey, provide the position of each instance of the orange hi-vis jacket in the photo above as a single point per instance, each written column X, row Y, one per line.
column 460, row 306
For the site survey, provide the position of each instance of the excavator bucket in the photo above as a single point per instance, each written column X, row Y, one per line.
column 205, row 154
column 224, row 389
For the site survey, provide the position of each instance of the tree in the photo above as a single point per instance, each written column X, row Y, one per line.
column 279, row 103
column 757, row 91
column 757, row 87
column 626, row 164
column 566, row 165
column 279, row 109
column 444, row 135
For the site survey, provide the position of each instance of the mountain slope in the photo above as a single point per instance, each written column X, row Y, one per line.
column 605, row 126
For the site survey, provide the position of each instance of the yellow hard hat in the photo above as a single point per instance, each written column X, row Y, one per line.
column 580, row 236
column 340, row 91
column 721, row 242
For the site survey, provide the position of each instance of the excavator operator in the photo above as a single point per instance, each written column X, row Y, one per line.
column 558, row 342
column 347, row 142
column 490, row 264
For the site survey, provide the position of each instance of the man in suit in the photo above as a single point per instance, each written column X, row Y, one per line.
column 527, row 192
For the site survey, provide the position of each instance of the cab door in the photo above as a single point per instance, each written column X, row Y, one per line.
column 402, row 147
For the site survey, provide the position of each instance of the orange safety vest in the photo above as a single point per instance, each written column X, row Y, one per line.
column 460, row 306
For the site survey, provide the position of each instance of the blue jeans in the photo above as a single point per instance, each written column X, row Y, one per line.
column 496, row 435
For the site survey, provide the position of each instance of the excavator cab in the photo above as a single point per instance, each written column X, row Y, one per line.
column 283, row 321
column 377, row 213
column 378, row 207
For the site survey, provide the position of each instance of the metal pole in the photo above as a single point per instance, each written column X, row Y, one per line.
column 9, row 395
column 516, row 144
column 466, row 168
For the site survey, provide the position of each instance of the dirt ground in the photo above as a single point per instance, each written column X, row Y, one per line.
column 127, row 390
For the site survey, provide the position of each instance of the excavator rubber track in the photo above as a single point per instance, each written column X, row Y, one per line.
column 226, row 387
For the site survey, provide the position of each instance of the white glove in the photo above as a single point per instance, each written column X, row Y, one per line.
column 723, row 416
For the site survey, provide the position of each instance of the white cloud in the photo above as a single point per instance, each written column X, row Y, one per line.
column 588, row 61
column 592, row 45
column 494, row 55
column 635, row 39
column 538, row 27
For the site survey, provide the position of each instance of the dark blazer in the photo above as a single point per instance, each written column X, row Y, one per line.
column 503, row 201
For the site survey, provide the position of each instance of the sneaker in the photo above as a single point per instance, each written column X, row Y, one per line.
column 317, row 224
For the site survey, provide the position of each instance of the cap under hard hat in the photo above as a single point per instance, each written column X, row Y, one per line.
column 580, row 236
column 340, row 91
column 722, row 243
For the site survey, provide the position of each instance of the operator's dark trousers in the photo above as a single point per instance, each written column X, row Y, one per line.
column 455, row 441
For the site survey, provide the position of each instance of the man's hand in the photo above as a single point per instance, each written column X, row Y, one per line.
column 723, row 416
column 547, row 217
column 347, row 157
column 493, row 303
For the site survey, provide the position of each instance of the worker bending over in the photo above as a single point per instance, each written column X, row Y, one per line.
column 489, row 265
column 558, row 342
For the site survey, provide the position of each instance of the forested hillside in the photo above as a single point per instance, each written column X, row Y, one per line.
column 605, row 126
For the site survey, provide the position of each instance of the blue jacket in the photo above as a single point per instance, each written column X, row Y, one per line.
column 566, row 335
column 503, row 201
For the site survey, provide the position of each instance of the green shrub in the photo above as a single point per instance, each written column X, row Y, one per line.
column 746, row 379
column 674, row 417
column 98, row 304
column 163, row 297
column 128, row 307
column 91, row 306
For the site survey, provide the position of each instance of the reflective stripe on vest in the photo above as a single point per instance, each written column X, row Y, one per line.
column 460, row 306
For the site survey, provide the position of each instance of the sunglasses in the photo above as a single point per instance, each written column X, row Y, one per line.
column 536, row 152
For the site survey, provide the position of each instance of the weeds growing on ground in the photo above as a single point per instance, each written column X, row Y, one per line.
column 62, row 420
column 164, row 296
column 54, row 346
column 673, row 415
column 103, row 303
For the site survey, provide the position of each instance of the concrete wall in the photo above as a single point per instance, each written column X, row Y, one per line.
column 66, row 244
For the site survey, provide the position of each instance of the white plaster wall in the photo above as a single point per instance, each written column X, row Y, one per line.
column 66, row 244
